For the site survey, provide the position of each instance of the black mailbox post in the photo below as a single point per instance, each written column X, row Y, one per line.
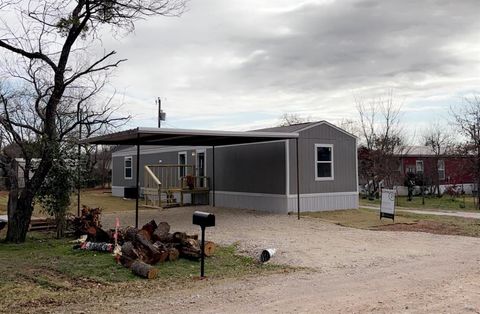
column 203, row 220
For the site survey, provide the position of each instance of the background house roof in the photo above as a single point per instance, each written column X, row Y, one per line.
column 418, row 151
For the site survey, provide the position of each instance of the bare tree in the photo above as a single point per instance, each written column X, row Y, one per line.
column 47, row 73
column 467, row 121
column 381, row 141
column 439, row 140
column 292, row 118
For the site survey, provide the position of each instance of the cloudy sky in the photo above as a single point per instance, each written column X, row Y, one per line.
column 242, row 64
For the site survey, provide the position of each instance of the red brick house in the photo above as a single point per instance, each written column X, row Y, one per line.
column 452, row 170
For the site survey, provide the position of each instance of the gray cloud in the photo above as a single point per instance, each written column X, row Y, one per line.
column 273, row 57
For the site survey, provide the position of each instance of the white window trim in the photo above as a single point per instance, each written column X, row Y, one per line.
column 204, row 151
column 416, row 165
column 331, row 178
column 441, row 169
column 125, row 168
column 178, row 161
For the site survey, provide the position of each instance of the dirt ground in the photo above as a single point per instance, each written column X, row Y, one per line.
column 348, row 270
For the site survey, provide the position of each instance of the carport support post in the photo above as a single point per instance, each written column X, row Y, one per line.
column 213, row 176
column 202, row 254
column 298, row 180
column 137, row 181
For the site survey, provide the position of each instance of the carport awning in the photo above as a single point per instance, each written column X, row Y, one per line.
column 185, row 137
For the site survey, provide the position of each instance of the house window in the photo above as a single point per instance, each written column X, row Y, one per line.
column 128, row 167
column 410, row 169
column 323, row 162
column 441, row 170
column 182, row 160
column 419, row 166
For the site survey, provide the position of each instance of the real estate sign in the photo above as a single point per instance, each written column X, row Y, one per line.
column 387, row 205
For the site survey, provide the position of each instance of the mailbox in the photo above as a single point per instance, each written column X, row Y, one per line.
column 203, row 219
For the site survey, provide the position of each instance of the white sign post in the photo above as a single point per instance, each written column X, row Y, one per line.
column 387, row 204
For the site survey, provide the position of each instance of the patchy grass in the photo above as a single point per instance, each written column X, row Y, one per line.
column 104, row 199
column 47, row 272
column 369, row 219
column 93, row 198
column 431, row 203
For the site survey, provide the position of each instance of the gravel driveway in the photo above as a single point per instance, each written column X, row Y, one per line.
column 351, row 270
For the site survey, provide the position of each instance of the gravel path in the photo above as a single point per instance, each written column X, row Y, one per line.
column 351, row 270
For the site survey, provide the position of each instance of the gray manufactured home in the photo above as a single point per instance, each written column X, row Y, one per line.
column 261, row 176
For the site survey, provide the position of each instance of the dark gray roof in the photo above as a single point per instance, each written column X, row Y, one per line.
column 302, row 126
column 288, row 128
column 184, row 137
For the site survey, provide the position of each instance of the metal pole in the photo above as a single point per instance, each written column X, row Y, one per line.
column 213, row 176
column 79, row 173
column 79, row 170
column 137, row 179
column 202, row 254
column 298, row 180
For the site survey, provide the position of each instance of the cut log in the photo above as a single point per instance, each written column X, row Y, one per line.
column 150, row 227
column 161, row 233
column 129, row 250
column 189, row 253
column 179, row 237
column 130, row 233
column 126, row 261
column 209, row 248
column 144, row 270
column 164, row 238
column 164, row 256
column 192, row 243
column 163, row 228
column 173, row 254
column 150, row 253
column 145, row 234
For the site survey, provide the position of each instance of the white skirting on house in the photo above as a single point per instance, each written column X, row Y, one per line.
column 117, row 191
column 282, row 204
column 323, row 201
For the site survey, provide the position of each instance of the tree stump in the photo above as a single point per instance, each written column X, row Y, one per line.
column 209, row 248
column 173, row 254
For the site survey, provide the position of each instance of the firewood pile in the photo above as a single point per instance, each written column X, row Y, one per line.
column 154, row 243
column 139, row 249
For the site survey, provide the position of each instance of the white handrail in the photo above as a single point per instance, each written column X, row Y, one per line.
column 152, row 175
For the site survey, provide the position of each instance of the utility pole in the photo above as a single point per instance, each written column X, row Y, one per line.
column 161, row 114
column 159, row 101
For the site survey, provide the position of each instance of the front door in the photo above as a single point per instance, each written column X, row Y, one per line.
column 201, row 167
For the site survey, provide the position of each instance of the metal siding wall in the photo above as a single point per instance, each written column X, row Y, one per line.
column 253, row 168
column 268, row 203
column 344, row 150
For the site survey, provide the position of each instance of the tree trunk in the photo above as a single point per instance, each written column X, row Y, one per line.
column 19, row 214
column 60, row 221
column 19, row 208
